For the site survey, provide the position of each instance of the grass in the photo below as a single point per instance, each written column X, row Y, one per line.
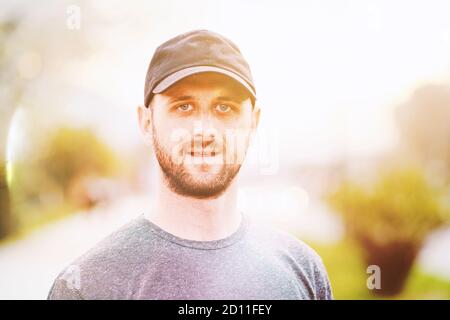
column 347, row 275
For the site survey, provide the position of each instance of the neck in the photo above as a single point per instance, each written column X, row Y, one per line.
column 195, row 219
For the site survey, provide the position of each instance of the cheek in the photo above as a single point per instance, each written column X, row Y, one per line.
column 244, row 121
column 235, row 131
column 237, row 140
column 167, row 128
column 172, row 137
column 240, row 128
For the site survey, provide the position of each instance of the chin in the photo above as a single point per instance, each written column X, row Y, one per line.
column 203, row 179
column 201, row 189
column 203, row 170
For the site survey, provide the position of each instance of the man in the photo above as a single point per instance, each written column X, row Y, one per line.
column 199, row 115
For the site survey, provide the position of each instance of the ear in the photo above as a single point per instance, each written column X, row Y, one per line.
column 145, row 123
column 255, row 117
column 255, row 122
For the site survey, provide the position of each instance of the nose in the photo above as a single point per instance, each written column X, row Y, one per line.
column 204, row 134
column 203, row 139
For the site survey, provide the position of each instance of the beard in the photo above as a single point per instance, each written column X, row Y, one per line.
column 183, row 182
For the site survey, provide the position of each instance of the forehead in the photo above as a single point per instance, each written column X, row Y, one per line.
column 208, row 82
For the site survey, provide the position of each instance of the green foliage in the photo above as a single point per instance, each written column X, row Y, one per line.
column 75, row 152
column 39, row 184
column 401, row 206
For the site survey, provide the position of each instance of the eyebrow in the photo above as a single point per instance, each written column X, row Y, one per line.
column 182, row 98
column 224, row 98
column 221, row 98
column 228, row 98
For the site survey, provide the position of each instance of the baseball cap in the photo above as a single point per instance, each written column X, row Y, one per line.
column 195, row 52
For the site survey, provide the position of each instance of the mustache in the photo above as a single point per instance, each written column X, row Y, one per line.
column 204, row 146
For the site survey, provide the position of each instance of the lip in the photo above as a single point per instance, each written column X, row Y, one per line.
column 201, row 154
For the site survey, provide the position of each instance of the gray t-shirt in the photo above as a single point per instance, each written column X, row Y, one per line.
column 142, row 261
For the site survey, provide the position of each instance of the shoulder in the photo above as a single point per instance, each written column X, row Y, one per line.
column 298, row 255
column 111, row 260
column 280, row 239
column 118, row 246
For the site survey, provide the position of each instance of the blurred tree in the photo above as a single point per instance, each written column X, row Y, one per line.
column 64, row 162
column 424, row 123
column 391, row 219
column 73, row 153
column 10, row 92
column 62, row 174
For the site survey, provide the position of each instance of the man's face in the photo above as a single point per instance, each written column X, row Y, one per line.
column 200, row 129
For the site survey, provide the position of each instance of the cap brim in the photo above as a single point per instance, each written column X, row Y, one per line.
column 183, row 73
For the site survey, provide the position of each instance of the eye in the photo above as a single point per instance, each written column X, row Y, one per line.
column 185, row 107
column 223, row 108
